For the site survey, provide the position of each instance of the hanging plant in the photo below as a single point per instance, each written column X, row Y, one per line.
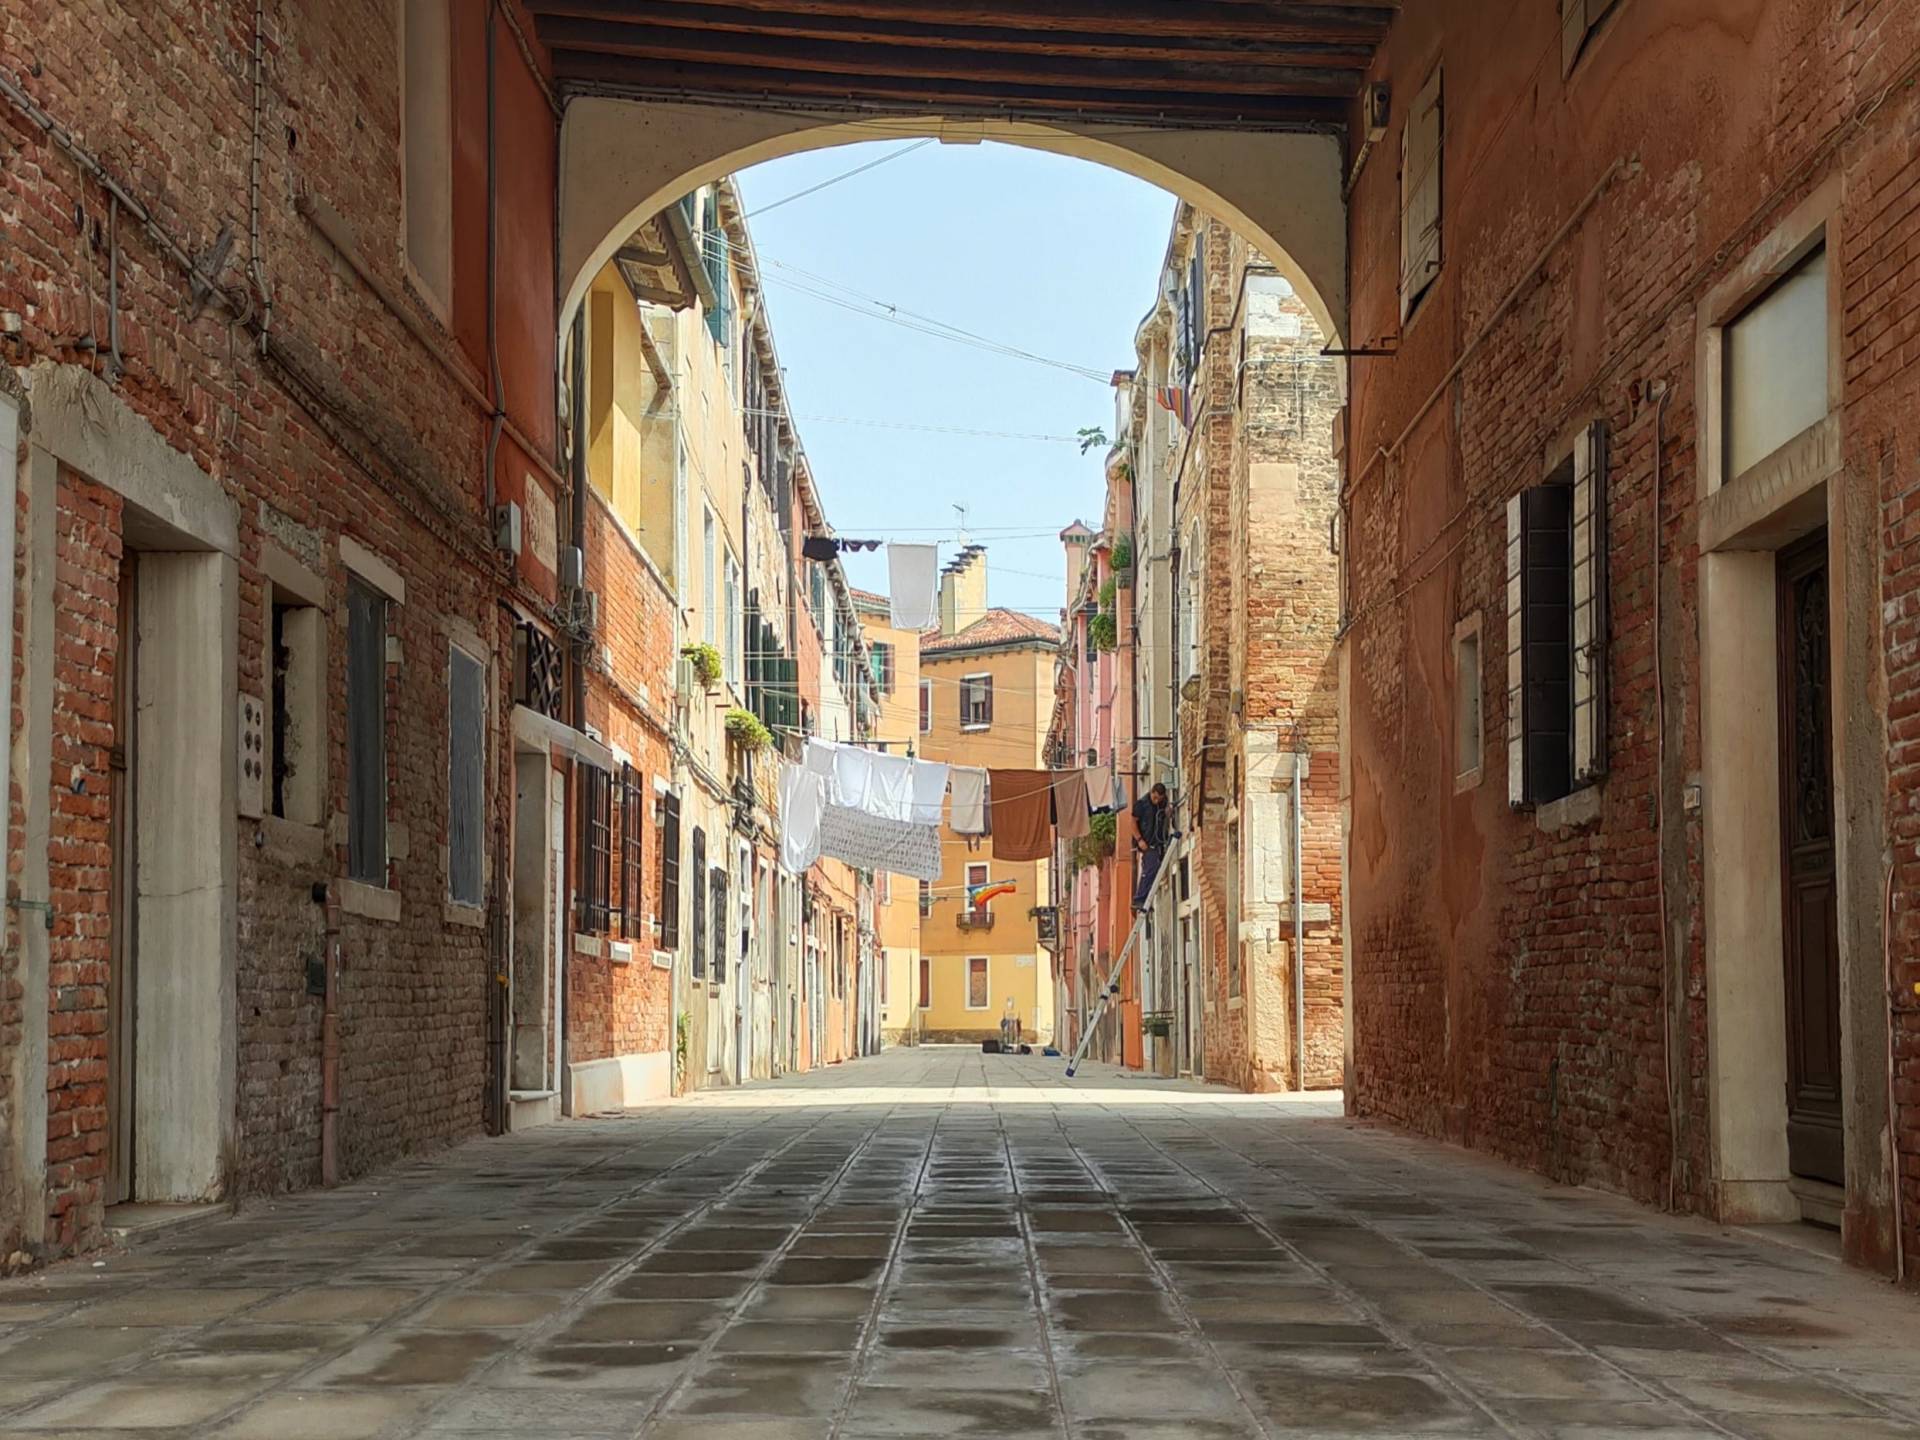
column 706, row 663
column 746, row 730
column 680, row 1031
column 1108, row 589
column 1096, row 845
column 1121, row 557
column 1104, row 631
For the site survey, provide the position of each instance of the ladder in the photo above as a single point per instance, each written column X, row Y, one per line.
column 1110, row 991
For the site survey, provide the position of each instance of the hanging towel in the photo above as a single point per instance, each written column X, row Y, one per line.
column 1100, row 798
column 1021, row 807
column 802, row 798
column 890, row 788
column 869, row 843
column 819, row 547
column 913, row 573
column 852, row 776
column 968, row 813
column 929, row 789
column 1070, row 803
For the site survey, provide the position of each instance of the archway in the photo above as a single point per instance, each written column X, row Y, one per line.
column 622, row 161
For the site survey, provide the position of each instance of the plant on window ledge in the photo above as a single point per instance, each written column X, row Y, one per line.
column 1096, row 845
column 706, row 664
column 747, row 730
column 1121, row 559
column 680, row 1051
column 1104, row 631
column 1108, row 589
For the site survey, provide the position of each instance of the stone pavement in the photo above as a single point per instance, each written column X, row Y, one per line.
column 936, row 1242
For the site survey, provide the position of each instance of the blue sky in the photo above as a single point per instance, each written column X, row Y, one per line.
column 1054, row 256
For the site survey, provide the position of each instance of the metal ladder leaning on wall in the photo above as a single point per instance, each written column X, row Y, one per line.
column 1110, row 990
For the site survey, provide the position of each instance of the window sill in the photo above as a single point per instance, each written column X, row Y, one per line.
column 663, row 959
column 455, row 912
column 371, row 902
column 974, row 729
column 588, row 945
column 620, row 952
column 1569, row 812
column 1468, row 780
column 292, row 841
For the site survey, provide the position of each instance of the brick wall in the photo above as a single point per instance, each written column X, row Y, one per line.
column 1510, row 971
column 349, row 426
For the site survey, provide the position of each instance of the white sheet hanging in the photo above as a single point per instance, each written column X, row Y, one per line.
column 929, row 790
column 913, row 577
column 968, row 814
column 802, row 802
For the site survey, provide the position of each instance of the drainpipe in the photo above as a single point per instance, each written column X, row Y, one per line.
column 330, row 1039
column 1299, row 931
column 498, row 421
column 576, row 653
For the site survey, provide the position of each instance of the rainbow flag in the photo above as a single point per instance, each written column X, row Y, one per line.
column 986, row 890
column 1176, row 399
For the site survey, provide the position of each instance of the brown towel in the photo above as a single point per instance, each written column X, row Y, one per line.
column 1021, row 812
column 1070, row 803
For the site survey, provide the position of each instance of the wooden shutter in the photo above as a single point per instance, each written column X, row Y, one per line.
column 633, row 810
column 366, row 734
column 669, row 871
column 466, row 765
column 719, row 921
column 1420, row 173
column 1589, row 519
column 986, row 700
column 1540, row 644
column 699, row 869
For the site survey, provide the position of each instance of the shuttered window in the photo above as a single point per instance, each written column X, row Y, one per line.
column 719, row 882
column 366, row 734
column 633, row 887
column 926, row 707
column 596, row 850
column 669, row 871
column 1557, row 630
column 698, row 869
column 1421, row 146
column 466, row 772
column 1578, row 20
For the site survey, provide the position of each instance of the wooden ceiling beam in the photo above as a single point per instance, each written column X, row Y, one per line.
column 751, row 84
column 723, row 16
column 1362, row 22
column 656, row 43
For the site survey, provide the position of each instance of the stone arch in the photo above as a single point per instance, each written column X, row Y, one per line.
column 622, row 161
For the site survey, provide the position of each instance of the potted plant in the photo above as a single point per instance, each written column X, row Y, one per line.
column 1121, row 559
column 746, row 730
column 1103, row 631
column 706, row 663
column 1096, row 845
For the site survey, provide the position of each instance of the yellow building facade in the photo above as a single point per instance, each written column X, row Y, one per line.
column 894, row 655
column 985, row 697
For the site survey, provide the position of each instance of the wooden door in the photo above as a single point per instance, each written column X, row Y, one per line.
column 120, row 898
column 1810, row 928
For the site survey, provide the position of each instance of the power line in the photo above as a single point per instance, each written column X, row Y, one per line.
column 844, row 175
column 910, row 425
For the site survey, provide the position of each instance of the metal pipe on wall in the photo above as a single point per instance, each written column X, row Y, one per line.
column 330, row 1041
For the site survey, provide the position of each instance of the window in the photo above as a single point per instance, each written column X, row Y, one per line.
column 731, row 617
column 1774, row 366
column 817, row 595
column 1578, row 20
column 886, row 971
column 633, row 821
column 296, row 735
column 977, row 993
column 1191, row 320
column 710, row 581
column 1556, row 628
column 926, row 982
column 719, row 920
column 1189, row 618
column 1466, row 702
column 976, row 702
column 466, row 776
column 881, row 655
column 699, row 866
column 1421, row 147
column 976, row 877
column 882, row 888
column 926, row 899
column 426, row 148
column 669, row 871
column 926, row 707
column 596, row 850
column 366, row 733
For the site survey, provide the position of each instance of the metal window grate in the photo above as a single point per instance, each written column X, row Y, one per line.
column 366, row 734
column 633, row 899
column 596, row 850
column 669, row 871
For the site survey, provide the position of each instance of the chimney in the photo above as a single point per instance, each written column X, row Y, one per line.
column 963, row 590
column 1074, row 540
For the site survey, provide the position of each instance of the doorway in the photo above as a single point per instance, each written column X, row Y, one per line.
column 122, row 981
column 1810, row 938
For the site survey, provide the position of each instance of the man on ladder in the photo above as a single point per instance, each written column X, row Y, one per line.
column 1152, row 824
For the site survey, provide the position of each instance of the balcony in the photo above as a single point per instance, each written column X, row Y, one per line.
column 974, row 920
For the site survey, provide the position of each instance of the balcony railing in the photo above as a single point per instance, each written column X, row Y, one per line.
column 974, row 920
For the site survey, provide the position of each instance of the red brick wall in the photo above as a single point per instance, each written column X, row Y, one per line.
column 377, row 440
column 1508, row 979
column 86, row 658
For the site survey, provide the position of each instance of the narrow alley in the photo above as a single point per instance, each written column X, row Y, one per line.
column 941, row 1242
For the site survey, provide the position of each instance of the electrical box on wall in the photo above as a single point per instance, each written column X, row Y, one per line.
column 573, row 568
column 253, row 757
column 507, row 533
